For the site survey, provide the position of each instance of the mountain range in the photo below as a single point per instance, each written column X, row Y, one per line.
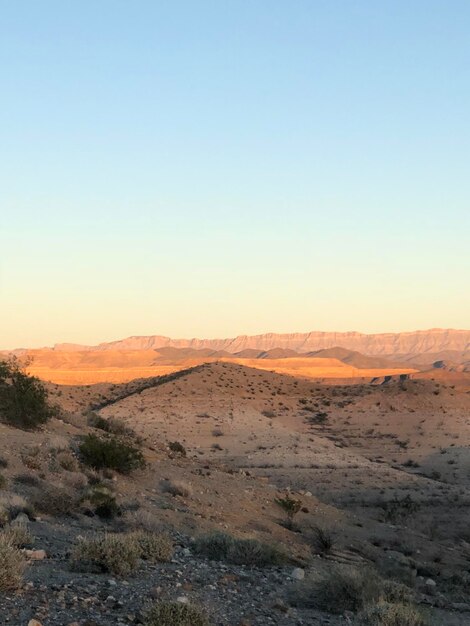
column 401, row 345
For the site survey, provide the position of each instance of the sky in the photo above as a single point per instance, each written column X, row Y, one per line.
column 214, row 168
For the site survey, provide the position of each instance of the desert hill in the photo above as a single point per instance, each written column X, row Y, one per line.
column 380, row 468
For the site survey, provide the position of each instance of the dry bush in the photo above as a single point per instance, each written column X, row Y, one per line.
column 116, row 554
column 322, row 540
column 178, row 488
column 388, row 614
column 12, row 505
column 219, row 546
column 12, row 565
column 54, row 500
column 17, row 535
column 3, row 482
column 214, row 546
column 67, row 461
column 154, row 547
column 175, row 614
column 338, row 590
column 143, row 520
column 100, row 500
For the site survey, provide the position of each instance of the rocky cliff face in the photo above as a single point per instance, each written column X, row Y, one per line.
column 422, row 341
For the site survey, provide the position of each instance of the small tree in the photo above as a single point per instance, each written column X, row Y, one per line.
column 290, row 506
column 23, row 398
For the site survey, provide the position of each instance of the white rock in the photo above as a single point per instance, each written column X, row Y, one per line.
column 430, row 582
column 182, row 599
column 298, row 573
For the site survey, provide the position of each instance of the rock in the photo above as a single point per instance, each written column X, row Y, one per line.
column 298, row 573
column 182, row 599
column 430, row 582
column 35, row 555
column 34, row 622
column 20, row 519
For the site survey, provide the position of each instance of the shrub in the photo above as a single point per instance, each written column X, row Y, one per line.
column 23, row 398
column 214, row 546
column 219, row 546
column 177, row 488
column 3, row 463
column 67, row 461
column 110, row 425
column 111, row 553
column 101, row 501
column 217, row 432
column 290, row 506
column 3, row 482
column 12, row 565
column 338, row 590
column 54, row 500
column 322, row 540
column 387, row 614
column 175, row 614
column 29, row 480
column 253, row 552
column 154, row 547
column 17, row 535
column 177, row 448
column 112, row 453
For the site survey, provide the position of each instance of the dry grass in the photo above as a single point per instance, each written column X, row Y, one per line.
column 12, row 565
column 17, row 535
column 178, row 488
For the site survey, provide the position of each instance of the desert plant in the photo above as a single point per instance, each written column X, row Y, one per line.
column 12, row 565
column 338, row 590
column 101, row 501
column 154, row 547
column 322, row 540
column 112, row 453
column 223, row 547
column 116, row 554
column 177, row 448
column 290, row 506
column 3, row 482
column 23, row 398
column 110, row 425
column 253, row 552
column 54, row 500
column 214, row 546
column 66, row 460
column 177, row 488
column 388, row 614
column 17, row 535
column 175, row 614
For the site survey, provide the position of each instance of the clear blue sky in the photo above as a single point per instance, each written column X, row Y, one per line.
column 212, row 168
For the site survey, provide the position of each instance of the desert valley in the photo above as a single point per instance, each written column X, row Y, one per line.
column 289, row 479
